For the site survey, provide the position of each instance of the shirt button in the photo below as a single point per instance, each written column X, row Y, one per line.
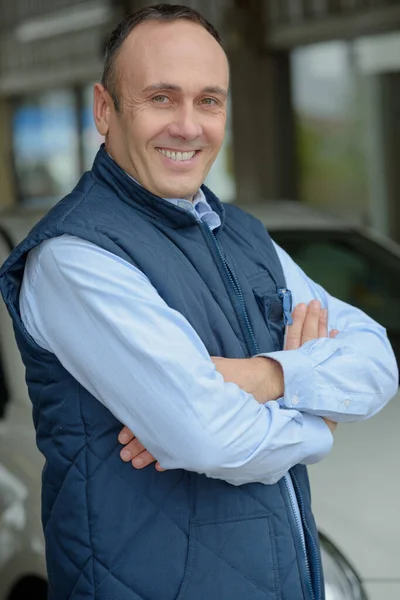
column 295, row 400
column 347, row 402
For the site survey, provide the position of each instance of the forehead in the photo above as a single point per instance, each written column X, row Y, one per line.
column 181, row 52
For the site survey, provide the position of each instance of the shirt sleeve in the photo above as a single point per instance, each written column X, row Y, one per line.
column 348, row 378
column 112, row 331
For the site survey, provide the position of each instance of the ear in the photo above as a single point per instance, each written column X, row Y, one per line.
column 102, row 108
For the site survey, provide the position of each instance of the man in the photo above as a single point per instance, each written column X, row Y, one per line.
column 132, row 300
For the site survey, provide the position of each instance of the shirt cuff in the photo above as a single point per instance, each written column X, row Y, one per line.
column 298, row 378
column 313, row 388
column 318, row 439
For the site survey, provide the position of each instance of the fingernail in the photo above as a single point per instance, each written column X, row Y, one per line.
column 123, row 438
column 138, row 462
column 324, row 313
column 159, row 467
column 301, row 307
column 125, row 454
column 315, row 304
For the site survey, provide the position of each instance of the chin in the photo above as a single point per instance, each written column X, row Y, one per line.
column 180, row 193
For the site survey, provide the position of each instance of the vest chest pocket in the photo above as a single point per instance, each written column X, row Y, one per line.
column 233, row 559
column 271, row 305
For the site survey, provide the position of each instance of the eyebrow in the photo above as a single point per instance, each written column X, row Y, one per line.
column 215, row 89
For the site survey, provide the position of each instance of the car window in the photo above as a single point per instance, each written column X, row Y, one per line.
column 352, row 268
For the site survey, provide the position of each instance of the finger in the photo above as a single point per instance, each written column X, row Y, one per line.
column 333, row 333
column 159, row 467
column 293, row 334
column 311, row 322
column 131, row 450
column 125, row 435
column 323, row 323
column 144, row 459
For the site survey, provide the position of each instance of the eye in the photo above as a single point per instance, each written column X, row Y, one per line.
column 160, row 99
column 209, row 101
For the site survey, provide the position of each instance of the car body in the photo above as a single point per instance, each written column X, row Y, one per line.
column 355, row 489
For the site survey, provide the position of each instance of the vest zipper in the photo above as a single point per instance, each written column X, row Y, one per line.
column 240, row 310
column 252, row 349
column 293, row 503
column 314, row 549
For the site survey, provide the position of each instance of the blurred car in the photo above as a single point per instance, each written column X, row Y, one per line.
column 355, row 489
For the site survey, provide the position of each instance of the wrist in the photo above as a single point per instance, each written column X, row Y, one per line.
column 271, row 381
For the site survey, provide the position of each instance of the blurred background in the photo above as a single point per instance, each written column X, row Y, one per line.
column 313, row 141
column 315, row 101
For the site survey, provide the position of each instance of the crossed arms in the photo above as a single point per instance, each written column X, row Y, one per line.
column 259, row 376
column 145, row 363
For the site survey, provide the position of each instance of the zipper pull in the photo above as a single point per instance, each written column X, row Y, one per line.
column 286, row 297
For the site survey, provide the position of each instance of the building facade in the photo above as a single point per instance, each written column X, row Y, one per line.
column 314, row 105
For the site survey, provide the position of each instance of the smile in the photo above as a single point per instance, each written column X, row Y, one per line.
column 177, row 156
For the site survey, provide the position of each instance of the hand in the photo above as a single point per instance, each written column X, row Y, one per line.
column 309, row 323
column 134, row 451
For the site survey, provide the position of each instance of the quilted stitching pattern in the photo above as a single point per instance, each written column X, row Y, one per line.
column 111, row 568
column 113, row 533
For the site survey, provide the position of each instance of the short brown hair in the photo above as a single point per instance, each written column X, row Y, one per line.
column 158, row 12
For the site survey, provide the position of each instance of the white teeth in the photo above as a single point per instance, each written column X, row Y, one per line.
column 178, row 156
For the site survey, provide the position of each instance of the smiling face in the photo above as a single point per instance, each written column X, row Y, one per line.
column 172, row 83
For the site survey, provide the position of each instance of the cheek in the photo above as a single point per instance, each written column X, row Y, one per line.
column 146, row 125
column 122, row 125
column 117, row 136
column 216, row 131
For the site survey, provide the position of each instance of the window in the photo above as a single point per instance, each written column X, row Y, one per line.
column 45, row 140
column 331, row 131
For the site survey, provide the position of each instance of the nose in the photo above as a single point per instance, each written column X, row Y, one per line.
column 185, row 124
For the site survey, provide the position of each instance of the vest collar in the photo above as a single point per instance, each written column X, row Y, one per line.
column 108, row 171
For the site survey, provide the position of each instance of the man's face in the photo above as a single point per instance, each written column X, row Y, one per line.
column 172, row 83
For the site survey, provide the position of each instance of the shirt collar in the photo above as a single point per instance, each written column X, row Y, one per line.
column 199, row 207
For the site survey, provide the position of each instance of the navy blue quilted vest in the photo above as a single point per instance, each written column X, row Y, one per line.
column 116, row 533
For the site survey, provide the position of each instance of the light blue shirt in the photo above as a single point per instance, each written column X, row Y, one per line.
column 112, row 331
